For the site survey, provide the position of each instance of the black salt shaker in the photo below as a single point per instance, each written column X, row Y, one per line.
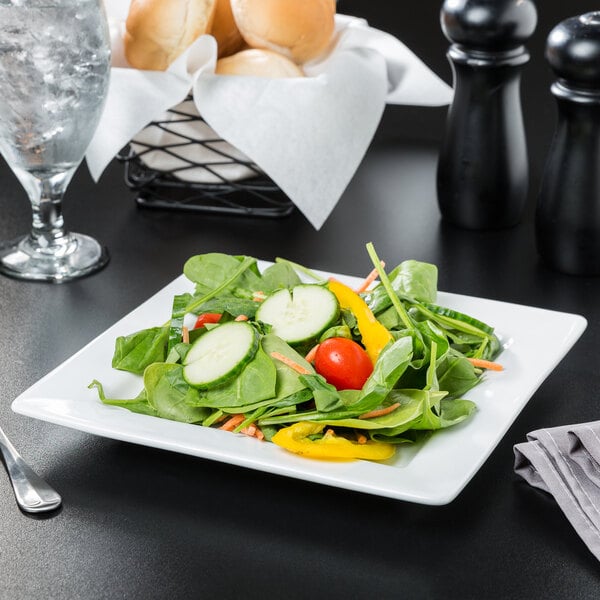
column 483, row 173
column 568, row 209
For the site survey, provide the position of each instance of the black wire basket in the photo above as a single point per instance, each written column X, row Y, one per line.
column 198, row 176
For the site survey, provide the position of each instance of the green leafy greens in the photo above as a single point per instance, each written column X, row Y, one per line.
column 416, row 386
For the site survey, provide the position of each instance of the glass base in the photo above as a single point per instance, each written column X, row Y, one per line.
column 77, row 255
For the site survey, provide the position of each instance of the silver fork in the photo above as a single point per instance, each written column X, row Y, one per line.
column 33, row 494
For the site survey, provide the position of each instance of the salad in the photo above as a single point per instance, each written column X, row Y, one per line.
column 318, row 368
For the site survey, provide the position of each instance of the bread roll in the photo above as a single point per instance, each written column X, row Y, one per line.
column 260, row 63
column 158, row 31
column 300, row 29
column 228, row 36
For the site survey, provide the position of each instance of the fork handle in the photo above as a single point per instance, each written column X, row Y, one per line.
column 33, row 494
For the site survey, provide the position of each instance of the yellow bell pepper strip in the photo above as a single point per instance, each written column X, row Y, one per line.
column 295, row 438
column 374, row 335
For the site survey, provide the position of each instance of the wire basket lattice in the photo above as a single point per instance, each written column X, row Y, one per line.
column 180, row 163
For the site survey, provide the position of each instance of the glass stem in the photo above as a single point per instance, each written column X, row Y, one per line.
column 46, row 195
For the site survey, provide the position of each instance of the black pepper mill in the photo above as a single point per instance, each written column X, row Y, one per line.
column 483, row 173
column 568, row 210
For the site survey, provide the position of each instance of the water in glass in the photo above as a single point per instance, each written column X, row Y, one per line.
column 54, row 72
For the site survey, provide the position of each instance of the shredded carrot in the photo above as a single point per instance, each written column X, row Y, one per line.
column 258, row 296
column 185, row 335
column 330, row 433
column 232, row 423
column 310, row 357
column 290, row 363
column 380, row 412
column 250, row 430
column 253, row 431
column 486, row 364
column 241, row 318
column 370, row 278
column 361, row 438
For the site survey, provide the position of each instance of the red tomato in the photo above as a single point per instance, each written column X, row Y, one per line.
column 207, row 318
column 343, row 363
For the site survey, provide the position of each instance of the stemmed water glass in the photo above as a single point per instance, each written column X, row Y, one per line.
column 54, row 73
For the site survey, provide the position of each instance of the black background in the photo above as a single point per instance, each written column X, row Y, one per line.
column 145, row 523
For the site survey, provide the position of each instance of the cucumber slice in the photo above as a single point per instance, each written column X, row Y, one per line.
column 300, row 314
column 220, row 354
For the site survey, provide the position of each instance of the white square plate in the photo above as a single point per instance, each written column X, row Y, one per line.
column 534, row 341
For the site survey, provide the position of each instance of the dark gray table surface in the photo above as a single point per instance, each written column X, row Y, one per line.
column 145, row 523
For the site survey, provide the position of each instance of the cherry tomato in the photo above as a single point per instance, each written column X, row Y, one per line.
column 343, row 363
column 207, row 318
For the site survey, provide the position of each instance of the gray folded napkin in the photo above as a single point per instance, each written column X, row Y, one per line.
column 565, row 462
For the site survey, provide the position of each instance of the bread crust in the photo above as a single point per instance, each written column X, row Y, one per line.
column 300, row 29
column 228, row 36
column 259, row 63
column 158, row 31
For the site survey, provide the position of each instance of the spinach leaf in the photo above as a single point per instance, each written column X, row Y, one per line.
column 275, row 405
column 432, row 334
column 490, row 350
column 468, row 335
column 178, row 311
column 326, row 396
column 390, row 366
column 279, row 275
column 138, row 350
column 410, row 409
column 342, row 331
column 430, row 418
column 288, row 380
column 170, row 395
column 410, row 279
column 455, row 411
column 429, row 397
column 230, row 304
column 210, row 271
column 456, row 374
column 416, row 280
column 425, row 336
column 390, row 318
column 215, row 274
column 139, row 404
column 178, row 353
